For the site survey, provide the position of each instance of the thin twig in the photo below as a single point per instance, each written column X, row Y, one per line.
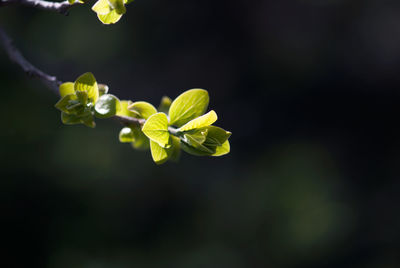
column 50, row 81
column 16, row 57
column 126, row 120
column 60, row 7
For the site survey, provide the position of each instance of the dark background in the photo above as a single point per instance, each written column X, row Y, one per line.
column 309, row 88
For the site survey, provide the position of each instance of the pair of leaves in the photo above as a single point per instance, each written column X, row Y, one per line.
column 110, row 11
column 77, row 100
column 134, row 134
column 210, row 140
column 186, row 112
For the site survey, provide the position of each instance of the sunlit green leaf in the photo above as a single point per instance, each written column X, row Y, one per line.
column 187, row 106
column 126, row 135
column 160, row 155
column 87, row 82
column 66, row 89
column 108, row 105
column 102, row 7
column 164, row 104
column 223, row 149
column 142, row 109
column 156, row 129
column 118, row 5
column 109, row 18
column 124, row 109
column 201, row 121
column 128, row 1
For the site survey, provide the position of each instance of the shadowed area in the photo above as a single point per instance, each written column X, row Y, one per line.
column 309, row 89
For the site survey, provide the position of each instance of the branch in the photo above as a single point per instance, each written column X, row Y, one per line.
column 16, row 57
column 60, row 7
column 50, row 81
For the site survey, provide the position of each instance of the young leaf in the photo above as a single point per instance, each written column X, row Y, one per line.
column 109, row 18
column 88, row 121
column 70, row 119
column 108, row 105
column 126, row 135
column 142, row 109
column 198, row 134
column 193, row 151
column 164, row 104
column 66, row 89
column 102, row 7
column 103, row 89
column 160, row 155
column 187, row 106
column 199, row 122
column 124, row 109
column 118, row 5
column 82, row 97
column 87, row 82
column 156, row 129
column 216, row 136
column 223, row 149
column 191, row 141
column 65, row 102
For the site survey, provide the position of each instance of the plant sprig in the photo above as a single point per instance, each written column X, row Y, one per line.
column 175, row 125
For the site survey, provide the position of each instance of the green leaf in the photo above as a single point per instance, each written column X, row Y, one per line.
column 128, row 1
column 199, row 122
column 70, row 119
column 216, row 136
column 160, row 155
column 193, row 142
column 187, row 106
column 142, row 109
column 126, row 135
column 66, row 89
column 156, row 129
column 124, row 109
column 118, row 5
column 198, row 134
column 107, row 106
column 87, row 82
column 88, row 121
column 109, row 18
column 65, row 102
column 102, row 7
column 141, row 142
column 82, row 97
column 103, row 89
column 193, row 151
column 223, row 149
column 164, row 104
